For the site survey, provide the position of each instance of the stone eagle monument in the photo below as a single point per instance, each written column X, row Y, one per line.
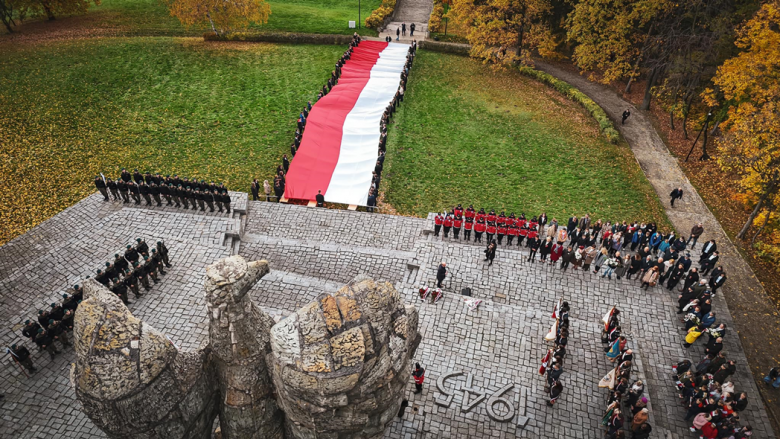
column 334, row 369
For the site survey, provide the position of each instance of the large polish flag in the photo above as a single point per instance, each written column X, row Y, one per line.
column 338, row 151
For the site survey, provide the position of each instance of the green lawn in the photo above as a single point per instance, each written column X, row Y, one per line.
column 175, row 105
column 307, row 16
column 467, row 133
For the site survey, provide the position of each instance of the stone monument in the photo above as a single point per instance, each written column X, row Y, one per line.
column 335, row 369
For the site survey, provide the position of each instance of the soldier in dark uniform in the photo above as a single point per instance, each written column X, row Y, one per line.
column 45, row 342
column 141, row 247
column 120, row 289
column 165, row 192
column 137, row 177
column 120, row 264
column 22, row 355
column 140, row 273
column 102, row 278
column 101, row 186
column 69, row 303
column 199, row 197
column 150, row 268
column 174, row 194
column 125, row 176
column 56, row 312
column 146, row 193
column 113, row 188
column 158, row 179
column 67, row 319
column 182, row 194
column 135, row 192
column 58, row 332
column 131, row 282
column 162, row 250
column 147, row 178
column 43, row 317
column 155, row 191
column 131, row 254
column 121, row 186
column 77, row 293
column 110, row 271
column 30, row 329
column 158, row 262
column 218, row 199
column 191, row 197
column 209, row 198
column 226, row 200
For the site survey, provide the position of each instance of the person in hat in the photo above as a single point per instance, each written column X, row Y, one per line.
column 45, row 343
column 22, row 355
column 141, row 247
column 419, row 377
column 58, row 332
column 30, row 329
column 162, row 250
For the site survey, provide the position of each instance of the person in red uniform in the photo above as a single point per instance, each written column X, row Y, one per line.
column 523, row 232
column 511, row 233
column 511, row 220
column 534, row 225
column 532, row 232
column 467, row 226
column 470, row 212
column 447, row 225
column 457, row 223
column 458, row 211
column 437, row 221
column 491, row 231
column 419, row 377
column 501, row 231
column 501, row 219
column 479, row 229
column 491, row 217
column 481, row 215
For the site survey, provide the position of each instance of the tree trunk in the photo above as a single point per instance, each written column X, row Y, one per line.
column 648, row 95
column 49, row 13
column 671, row 118
column 761, row 229
column 686, row 110
column 764, row 196
column 704, row 155
column 212, row 24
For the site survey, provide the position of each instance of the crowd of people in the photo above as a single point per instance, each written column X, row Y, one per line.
column 279, row 180
column 129, row 270
column 552, row 363
column 153, row 188
column 625, row 403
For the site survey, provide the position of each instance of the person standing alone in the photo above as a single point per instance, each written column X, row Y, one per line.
column 441, row 273
column 677, row 193
column 419, row 377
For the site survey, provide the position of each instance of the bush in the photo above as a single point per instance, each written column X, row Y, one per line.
column 377, row 18
column 605, row 124
column 434, row 23
column 436, row 46
column 280, row 37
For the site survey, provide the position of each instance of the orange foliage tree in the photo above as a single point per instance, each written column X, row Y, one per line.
column 505, row 31
column 52, row 8
column 750, row 82
column 220, row 15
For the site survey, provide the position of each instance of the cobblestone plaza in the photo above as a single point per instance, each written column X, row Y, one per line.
column 482, row 365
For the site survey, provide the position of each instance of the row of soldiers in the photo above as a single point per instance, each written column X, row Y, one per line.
column 135, row 267
column 175, row 190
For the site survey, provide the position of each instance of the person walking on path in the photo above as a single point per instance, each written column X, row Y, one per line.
column 441, row 273
column 419, row 377
column 625, row 116
column 403, row 28
column 677, row 193
column 411, row 29
column 773, row 377
column 398, row 34
column 696, row 231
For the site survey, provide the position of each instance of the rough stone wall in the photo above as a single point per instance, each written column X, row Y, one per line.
column 341, row 362
column 239, row 335
column 131, row 380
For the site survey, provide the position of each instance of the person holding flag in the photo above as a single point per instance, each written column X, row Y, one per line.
column 545, row 362
column 419, row 377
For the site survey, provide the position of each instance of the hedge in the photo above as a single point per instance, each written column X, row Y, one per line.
column 281, row 37
column 378, row 17
column 438, row 46
column 605, row 124
column 434, row 22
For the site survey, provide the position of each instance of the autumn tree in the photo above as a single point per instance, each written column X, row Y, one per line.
column 52, row 8
column 7, row 14
column 506, row 31
column 750, row 82
column 220, row 15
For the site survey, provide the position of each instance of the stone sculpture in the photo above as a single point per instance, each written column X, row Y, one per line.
column 335, row 369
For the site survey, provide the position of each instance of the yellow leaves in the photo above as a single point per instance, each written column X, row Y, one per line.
column 220, row 15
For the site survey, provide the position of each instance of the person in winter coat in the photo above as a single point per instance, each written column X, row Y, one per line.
column 600, row 259
column 634, row 266
column 650, row 278
column 639, row 419
column 419, row 377
column 556, row 253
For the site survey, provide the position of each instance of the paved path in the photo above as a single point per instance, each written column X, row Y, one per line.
column 746, row 298
column 409, row 11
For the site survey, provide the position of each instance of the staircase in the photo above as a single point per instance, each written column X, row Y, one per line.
column 409, row 11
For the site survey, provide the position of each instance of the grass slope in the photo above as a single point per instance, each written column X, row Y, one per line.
column 305, row 16
column 467, row 133
column 213, row 110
